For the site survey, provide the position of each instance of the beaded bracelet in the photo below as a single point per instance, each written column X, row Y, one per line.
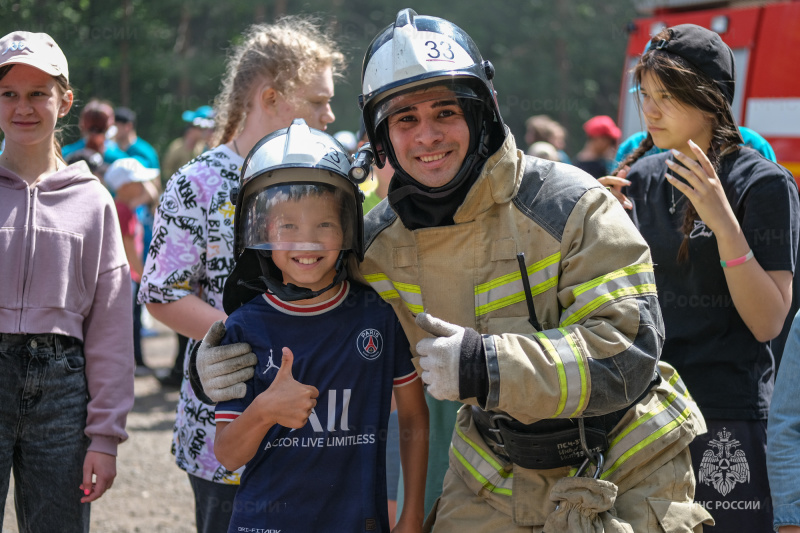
column 738, row 261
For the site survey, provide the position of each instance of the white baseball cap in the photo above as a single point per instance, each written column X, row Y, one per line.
column 38, row 50
column 127, row 170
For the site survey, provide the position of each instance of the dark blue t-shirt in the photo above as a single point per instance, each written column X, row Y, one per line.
column 329, row 475
column 726, row 369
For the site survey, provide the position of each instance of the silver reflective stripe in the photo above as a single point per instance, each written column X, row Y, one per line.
column 382, row 285
column 628, row 281
column 493, row 368
column 481, row 465
column 667, row 416
column 507, row 290
column 388, row 290
column 571, row 369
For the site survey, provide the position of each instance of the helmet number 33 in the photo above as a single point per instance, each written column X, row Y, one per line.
column 440, row 50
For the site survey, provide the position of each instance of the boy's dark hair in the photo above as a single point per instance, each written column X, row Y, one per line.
column 125, row 115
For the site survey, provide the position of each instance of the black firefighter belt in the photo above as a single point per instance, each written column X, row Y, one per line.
column 545, row 444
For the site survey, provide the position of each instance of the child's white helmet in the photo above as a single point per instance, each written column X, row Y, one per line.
column 292, row 164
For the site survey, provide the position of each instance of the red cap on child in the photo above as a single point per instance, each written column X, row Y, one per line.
column 602, row 126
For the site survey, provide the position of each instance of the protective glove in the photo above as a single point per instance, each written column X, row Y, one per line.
column 224, row 369
column 453, row 361
column 584, row 505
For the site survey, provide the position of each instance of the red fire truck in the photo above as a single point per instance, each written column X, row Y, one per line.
column 765, row 39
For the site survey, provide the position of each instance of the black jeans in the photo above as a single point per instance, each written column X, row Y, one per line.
column 43, row 399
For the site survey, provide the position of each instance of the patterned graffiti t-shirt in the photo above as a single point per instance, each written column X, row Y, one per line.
column 192, row 253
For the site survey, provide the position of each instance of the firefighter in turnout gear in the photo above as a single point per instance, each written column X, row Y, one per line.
column 530, row 300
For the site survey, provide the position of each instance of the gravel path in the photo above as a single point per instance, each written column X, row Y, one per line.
column 150, row 493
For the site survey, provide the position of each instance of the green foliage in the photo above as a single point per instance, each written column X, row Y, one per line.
column 563, row 58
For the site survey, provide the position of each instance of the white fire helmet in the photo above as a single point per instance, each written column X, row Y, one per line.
column 294, row 194
column 419, row 52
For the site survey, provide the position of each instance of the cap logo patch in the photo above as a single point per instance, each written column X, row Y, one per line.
column 370, row 344
column 16, row 46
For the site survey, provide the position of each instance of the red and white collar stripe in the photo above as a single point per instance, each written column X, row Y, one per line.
column 290, row 308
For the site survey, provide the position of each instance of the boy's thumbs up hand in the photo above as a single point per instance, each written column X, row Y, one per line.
column 285, row 371
column 289, row 402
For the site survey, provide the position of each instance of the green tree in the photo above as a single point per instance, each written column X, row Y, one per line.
column 159, row 57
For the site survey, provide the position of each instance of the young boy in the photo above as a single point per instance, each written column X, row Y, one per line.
column 312, row 425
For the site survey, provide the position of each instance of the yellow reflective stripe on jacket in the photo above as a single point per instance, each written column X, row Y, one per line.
column 508, row 289
column 388, row 290
column 677, row 383
column 631, row 280
column 648, row 428
column 571, row 370
column 481, row 464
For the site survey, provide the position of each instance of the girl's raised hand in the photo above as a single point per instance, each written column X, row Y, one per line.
column 614, row 184
column 703, row 189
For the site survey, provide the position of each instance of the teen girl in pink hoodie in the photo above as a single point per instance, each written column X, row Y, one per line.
column 66, row 342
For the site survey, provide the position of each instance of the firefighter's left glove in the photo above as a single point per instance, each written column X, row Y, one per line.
column 224, row 369
column 453, row 361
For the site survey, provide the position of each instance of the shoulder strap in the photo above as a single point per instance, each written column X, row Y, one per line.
column 549, row 191
column 378, row 219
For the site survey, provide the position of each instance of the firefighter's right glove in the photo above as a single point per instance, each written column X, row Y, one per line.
column 453, row 361
column 224, row 369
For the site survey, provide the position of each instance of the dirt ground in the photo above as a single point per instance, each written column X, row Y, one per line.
column 150, row 493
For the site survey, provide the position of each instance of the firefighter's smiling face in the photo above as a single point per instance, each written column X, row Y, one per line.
column 429, row 135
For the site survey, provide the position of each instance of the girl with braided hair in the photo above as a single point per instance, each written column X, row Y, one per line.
column 279, row 72
column 722, row 224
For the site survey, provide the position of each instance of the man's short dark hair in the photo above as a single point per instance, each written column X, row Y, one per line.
column 124, row 115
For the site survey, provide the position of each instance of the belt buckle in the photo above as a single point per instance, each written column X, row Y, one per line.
column 495, row 429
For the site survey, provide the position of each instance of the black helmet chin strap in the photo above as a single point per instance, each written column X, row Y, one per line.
column 290, row 292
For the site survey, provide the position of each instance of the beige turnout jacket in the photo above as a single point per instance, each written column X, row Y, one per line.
column 594, row 292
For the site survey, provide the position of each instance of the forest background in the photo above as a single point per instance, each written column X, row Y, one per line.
column 563, row 58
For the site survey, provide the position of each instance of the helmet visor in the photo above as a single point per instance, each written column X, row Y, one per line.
column 299, row 216
column 414, row 95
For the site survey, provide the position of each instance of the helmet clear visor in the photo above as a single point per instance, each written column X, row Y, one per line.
column 299, row 216
column 414, row 95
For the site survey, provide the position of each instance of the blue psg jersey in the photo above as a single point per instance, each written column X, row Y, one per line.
column 329, row 475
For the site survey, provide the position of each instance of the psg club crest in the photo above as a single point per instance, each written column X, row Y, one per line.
column 725, row 466
column 370, row 344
